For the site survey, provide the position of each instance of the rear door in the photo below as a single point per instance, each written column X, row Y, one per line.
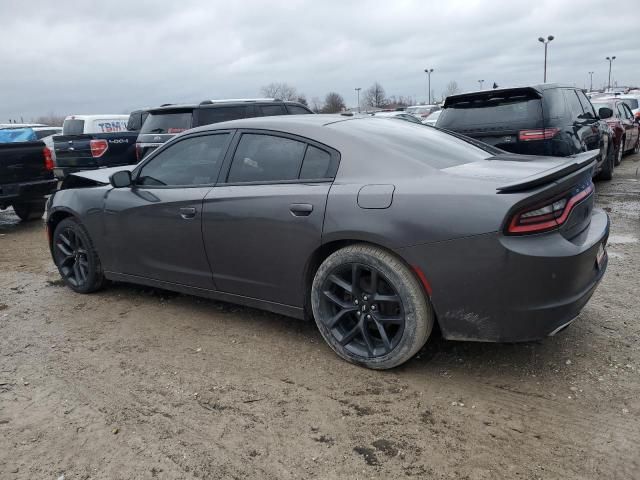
column 264, row 218
column 496, row 118
column 155, row 227
column 630, row 126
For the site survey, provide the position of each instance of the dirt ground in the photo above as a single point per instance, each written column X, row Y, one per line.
column 133, row 382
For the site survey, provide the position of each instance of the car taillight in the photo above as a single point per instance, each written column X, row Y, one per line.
column 98, row 147
column 537, row 134
column 48, row 159
column 637, row 114
column 550, row 214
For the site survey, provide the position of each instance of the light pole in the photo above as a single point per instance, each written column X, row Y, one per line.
column 610, row 62
column 591, row 81
column 358, row 91
column 428, row 72
column 480, row 82
column 546, row 43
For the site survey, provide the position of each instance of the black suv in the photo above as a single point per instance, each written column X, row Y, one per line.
column 546, row 119
column 168, row 120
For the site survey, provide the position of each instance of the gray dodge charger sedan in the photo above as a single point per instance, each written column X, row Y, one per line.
column 375, row 228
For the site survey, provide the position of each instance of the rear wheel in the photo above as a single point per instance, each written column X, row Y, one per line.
column 76, row 258
column 636, row 148
column 30, row 210
column 620, row 152
column 370, row 308
column 607, row 167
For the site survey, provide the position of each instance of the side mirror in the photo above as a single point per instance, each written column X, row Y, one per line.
column 605, row 112
column 121, row 179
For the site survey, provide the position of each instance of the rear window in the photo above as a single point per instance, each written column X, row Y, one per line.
column 631, row 102
column 504, row 108
column 73, row 127
column 169, row 122
column 16, row 135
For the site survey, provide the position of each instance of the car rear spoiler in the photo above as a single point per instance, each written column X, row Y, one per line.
column 569, row 165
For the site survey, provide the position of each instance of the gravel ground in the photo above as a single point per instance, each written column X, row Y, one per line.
column 134, row 382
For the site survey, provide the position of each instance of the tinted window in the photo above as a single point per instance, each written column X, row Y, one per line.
column 554, row 106
column 210, row 115
column 73, row 127
column 316, row 164
column 573, row 104
column 269, row 110
column 136, row 119
column 484, row 110
column 631, row 102
column 297, row 110
column 586, row 105
column 169, row 122
column 192, row 161
column 263, row 158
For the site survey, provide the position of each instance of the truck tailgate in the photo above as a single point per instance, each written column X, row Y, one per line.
column 22, row 162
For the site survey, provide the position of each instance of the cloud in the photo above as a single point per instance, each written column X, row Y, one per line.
column 86, row 57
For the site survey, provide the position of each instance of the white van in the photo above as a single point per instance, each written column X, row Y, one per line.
column 84, row 124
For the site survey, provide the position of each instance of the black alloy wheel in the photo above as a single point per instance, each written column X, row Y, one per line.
column 366, row 314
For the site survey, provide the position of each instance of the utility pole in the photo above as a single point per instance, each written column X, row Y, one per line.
column 610, row 62
column 358, row 91
column 428, row 72
column 546, row 43
column 591, row 81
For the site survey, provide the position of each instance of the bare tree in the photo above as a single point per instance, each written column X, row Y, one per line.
column 399, row 102
column 452, row 88
column 375, row 97
column 316, row 105
column 333, row 103
column 280, row 90
column 302, row 99
column 51, row 119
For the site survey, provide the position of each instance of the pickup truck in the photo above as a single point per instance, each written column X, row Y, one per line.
column 26, row 171
column 93, row 141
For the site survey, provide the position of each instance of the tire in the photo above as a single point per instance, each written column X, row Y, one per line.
column 636, row 149
column 30, row 210
column 356, row 321
column 619, row 152
column 76, row 257
column 607, row 168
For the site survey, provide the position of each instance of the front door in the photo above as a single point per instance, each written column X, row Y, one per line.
column 154, row 228
column 264, row 221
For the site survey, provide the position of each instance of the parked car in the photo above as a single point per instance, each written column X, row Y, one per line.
column 633, row 101
column 136, row 120
column 46, row 134
column 93, row 141
column 626, row 132
column 422, row 111
column 547, row 119
column 26, row 167
column 398, row 114
column 165, row 122
column 432, row 119
column 379, row 228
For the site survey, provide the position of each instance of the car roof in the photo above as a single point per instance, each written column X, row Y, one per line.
column 167, row 107
column 97, row 117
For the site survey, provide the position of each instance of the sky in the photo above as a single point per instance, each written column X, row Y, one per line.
column 83, row 57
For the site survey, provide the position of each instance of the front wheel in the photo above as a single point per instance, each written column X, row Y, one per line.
column 76, row 258
column 607, row 167
column 620, row 152
column 30, row 210
column 370, row 307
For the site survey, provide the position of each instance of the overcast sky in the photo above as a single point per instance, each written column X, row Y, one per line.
column 111, row 57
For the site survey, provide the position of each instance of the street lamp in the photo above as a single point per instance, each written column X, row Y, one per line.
column 610, row 62
column 480, row 82
column 591, row 81
column 428, row 72
column 358, row 90
column 546, row 42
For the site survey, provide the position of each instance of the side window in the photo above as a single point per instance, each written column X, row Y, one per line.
column 269, row 110
column 627, row 111
column 192, row 161
column 209, row 115
column 586, row 105
column 297, row 110
column 573, row 104
column 317, row 164
column 266, row 158
column 620, row 111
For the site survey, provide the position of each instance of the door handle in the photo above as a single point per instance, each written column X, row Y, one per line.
column 187, row 212
column 301, row 209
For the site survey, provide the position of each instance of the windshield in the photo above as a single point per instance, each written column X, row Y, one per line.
column 170, row 122
column 15, row 135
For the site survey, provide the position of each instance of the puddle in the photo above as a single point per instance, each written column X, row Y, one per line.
column 620, row 239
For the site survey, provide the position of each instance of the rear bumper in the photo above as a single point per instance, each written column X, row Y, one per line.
column 26, row 190
column 510, row 289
